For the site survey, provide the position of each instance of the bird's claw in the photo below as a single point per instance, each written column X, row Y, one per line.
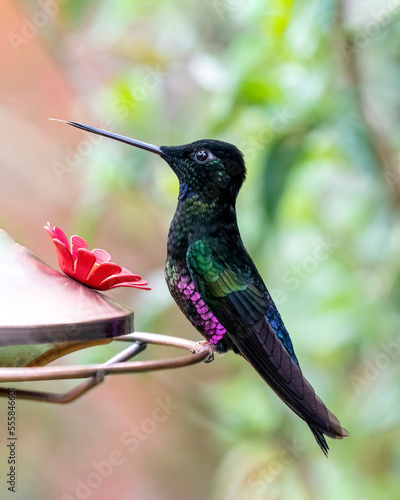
column 204, row 345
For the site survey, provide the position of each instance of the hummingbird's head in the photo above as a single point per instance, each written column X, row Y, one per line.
column 208, row 169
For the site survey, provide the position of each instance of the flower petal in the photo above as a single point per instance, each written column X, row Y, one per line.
column 93, row 269
column 64, row 257
column 101, row 272
column 83, row 264
column 49, row 229
column 128, row 273
column 76, row 243
column 132, row 280
column 55, row 232
column 129, row 285
column 101, row 255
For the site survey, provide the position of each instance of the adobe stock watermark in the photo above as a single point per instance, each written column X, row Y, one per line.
column 30, row 27
column 393, row 180
column 130, row 441
column 249, row 148
column 372, row 368
column 381, row 18
column 264, row 475
column 298, row 273
column 74, row 157
column 152, row 78
column 222, row 7
column 255, row 143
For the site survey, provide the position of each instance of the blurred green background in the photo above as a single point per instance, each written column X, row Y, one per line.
column 310, row 92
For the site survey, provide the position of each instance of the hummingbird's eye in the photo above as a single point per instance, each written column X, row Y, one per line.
column 201, row 155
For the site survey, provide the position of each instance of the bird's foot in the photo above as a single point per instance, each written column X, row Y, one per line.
column 204, row 345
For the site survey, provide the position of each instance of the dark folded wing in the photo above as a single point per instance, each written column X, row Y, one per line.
column 240, row 301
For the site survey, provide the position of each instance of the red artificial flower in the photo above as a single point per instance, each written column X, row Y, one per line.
column 92, row 268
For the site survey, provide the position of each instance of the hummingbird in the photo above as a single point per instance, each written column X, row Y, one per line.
column 216, row 284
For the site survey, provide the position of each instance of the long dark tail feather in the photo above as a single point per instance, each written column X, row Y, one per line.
column 319, row 437
column 263, row 349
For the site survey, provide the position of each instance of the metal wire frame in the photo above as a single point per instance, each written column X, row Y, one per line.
column 95, row 374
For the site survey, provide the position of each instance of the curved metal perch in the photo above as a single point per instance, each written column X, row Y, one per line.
column 46, row 315
column 201, row 351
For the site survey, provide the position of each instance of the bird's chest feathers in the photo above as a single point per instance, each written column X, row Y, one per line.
column 192, row 221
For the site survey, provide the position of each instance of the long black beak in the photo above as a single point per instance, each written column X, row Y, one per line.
column 121, row 138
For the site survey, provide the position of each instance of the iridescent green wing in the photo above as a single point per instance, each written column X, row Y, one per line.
column 241, row 303
column 218, row 274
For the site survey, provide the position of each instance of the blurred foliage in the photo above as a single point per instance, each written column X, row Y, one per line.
column 308, row 91
column 295, row 85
